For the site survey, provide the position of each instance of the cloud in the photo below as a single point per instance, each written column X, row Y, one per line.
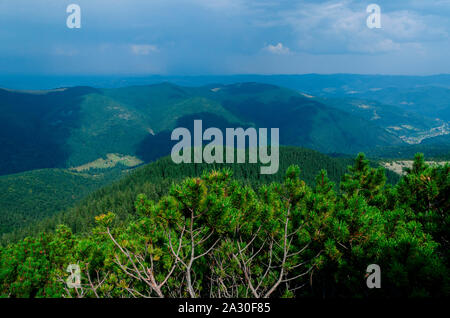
column 143, row 49
column 339, row 27
column 279, row 49
column 65, row 51
column 226, row 36
column 221, row 4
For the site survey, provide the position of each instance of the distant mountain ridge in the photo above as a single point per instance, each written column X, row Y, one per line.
column 426, row 94
column 307, row 82
column 73, row 126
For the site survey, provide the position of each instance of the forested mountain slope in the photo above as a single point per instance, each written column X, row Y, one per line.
column 69, row 127
column 28, row 197
column 153, row 180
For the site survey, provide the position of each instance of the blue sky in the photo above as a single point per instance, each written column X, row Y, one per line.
column 202, row 37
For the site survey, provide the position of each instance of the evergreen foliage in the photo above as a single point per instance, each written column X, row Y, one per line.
column 153, row 180
column 215, row 235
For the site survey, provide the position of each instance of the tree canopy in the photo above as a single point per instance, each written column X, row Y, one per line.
column 215, row 236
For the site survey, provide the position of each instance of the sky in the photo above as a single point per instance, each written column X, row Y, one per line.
column 212, row 37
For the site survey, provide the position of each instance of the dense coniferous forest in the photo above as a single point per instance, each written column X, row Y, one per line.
column 223, row 234
column 153, row 180
column 30, row 196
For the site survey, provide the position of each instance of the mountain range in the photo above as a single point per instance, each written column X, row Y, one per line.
column 68, row 127
column 67, row 151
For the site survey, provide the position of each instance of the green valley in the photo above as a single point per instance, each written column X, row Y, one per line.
column 71, row 127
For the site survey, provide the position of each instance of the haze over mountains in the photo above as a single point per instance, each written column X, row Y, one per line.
column 68, row 127
column 427, row 95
